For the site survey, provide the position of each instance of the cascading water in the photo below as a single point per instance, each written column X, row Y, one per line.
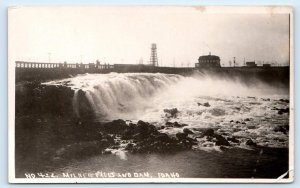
column 144, row 96
column 118, row 95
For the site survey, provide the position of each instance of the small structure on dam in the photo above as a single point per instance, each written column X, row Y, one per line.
column 208, row 61
column 251, row 64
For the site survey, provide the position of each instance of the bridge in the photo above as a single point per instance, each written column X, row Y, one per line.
column 39, row 71
column 37, row 65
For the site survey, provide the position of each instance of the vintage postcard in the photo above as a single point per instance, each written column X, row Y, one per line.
column 127, row 94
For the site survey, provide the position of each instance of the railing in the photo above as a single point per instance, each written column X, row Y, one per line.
column 35, row 65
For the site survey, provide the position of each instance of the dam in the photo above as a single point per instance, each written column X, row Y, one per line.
column 39, row 71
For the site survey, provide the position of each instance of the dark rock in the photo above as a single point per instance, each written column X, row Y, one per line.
column 251, row 127
column 284, row 100
column 223, row 148
column 206, row 104
column 162, row 137
column 192, row 141
column 287, row 127
column 181, row 136
column 233, row 139
column 115, row 147
column 145, row 128
column 185, row 144
column 282, row 111
column 250, row 143
column 110, row 138
column 106, row 152
column 282, row 128
column 138, row 136
column 237, row 122
column 187, row 131
column 115, row 127
column 247, row 119
column 100, row 135
column 175, row 124
column 142, row 127
column 208, row 132
column 171, row 113
column 221, row 141
column 169, row 124
column 231, row 121
column 244, row 123
column 129, row 146
column 131, row 126
column 127, row 135
column 266, row 99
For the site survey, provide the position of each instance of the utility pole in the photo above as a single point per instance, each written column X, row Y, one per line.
column 233, row 61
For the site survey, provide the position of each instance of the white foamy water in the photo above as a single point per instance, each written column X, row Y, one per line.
column 234, row 108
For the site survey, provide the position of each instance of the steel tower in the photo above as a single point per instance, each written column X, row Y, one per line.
column 153, row 57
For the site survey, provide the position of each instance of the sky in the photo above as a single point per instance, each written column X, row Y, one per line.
column 124, row 34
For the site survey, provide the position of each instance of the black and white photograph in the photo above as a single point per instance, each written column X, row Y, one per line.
column 163, row 94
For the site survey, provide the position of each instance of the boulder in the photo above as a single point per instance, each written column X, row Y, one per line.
column 129, row 146
column 282, row 111
column 206, row 104
column 221, row 141
column 115, row 126
column 208, row 132
column 250, row 142
column 145, row 128
column 281, row 128
column 251, row 127
column 171, row 113
column 162, row 137
column 233, row 139
column 187, row 131
column 284, row 100
column 127, row 135
column 169, row 124
column 181, row 136
column 175, row 124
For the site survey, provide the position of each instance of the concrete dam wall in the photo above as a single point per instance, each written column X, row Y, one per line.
column 249, row 75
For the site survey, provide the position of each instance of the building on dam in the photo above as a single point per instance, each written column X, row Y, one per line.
column 251, row 64
column 208, row 61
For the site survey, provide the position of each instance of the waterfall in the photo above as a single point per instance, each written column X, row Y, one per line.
column 129, row 95
column 117, row 95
